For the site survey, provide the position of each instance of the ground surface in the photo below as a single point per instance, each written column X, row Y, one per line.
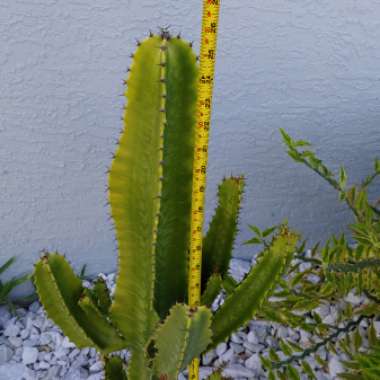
column 33, row 348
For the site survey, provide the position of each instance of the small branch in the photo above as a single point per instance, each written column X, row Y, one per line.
column 369, row 180
column 349, row 327
column 331, row 180
column 354, row 267
column 308, row 259
column 371, row 297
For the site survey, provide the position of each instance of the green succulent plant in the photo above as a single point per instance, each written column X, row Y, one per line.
column 150, row 188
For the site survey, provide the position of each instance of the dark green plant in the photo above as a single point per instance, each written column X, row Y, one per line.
column 150, row 188
column 6, row 287
column 364, row 365
column 331, row 274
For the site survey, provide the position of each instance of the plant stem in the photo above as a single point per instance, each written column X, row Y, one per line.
column 355, row 266
column 349, row 327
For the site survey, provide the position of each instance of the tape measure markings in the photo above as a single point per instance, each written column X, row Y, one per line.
column 207, row 56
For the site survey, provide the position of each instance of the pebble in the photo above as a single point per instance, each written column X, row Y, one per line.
column 221, row 349
column 236, row 338
column 45, row 338
column 304, row 337
column 259, row 329
column 5, row 354
column 227, row 356
column 96, row 367
column 5, row 316
column 67, row 344
column 253, row 362
column 353, row 298
column 323, row 310
column 205, row 372
column 29, row 355
column 11, row 330
column 24, row 334
column 282, row 332
column 12, row 371
column 252, row 338
column 238, row 370
column 238, row 348
column 335, row 366
column 15, row 341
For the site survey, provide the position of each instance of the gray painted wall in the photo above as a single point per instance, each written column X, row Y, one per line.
column 310, row 66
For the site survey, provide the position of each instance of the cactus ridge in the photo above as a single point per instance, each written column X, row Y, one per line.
column 177, row 160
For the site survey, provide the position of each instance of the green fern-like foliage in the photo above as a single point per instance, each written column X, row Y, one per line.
column 6, row 287
column 364, row 365
column 150, row 185
column 336, row 273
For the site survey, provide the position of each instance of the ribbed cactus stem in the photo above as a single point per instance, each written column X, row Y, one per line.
column 179, row 100
column 150, row 185
column 134, row 184
column 219, row 240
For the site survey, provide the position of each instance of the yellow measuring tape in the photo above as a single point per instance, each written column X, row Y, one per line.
column 207, row 56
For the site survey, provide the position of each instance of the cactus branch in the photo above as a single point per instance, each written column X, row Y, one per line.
column 61, row 293
column 179, row 102
column 134, row 184
column 250, row 294
column 183, row 336
column 219, row 240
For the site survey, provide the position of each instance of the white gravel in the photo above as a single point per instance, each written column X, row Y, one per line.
column 32, row 348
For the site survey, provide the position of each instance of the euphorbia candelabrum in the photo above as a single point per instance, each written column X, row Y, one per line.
column 150, row 185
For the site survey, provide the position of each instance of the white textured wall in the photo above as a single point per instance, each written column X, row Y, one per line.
column 310, row 66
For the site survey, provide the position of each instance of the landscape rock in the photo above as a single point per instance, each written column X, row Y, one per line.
column 11, row 330
column 12, row 371
column 5, row 354
column 253, row 362
column 221, row 349
column 237, row 370
column 335, row 366
column 29, row 355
